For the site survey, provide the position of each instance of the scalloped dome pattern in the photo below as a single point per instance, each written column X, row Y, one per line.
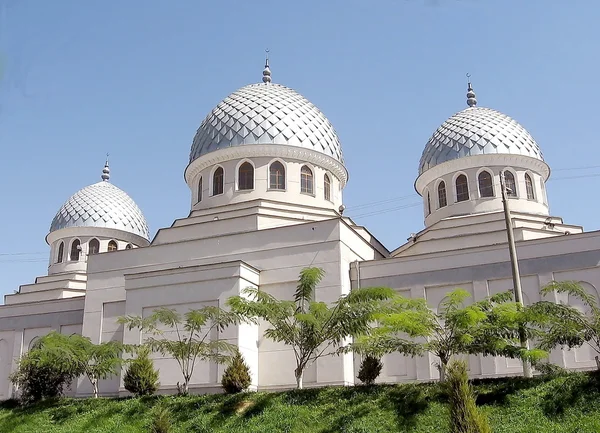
column 101, row 205
column 476, row 131
column 266, row 114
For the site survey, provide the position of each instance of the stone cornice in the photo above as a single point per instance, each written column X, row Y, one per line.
column 477, row 161
column 270, row 151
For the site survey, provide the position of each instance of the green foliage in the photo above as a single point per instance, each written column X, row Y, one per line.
column 370, row 368
column 71, row 356
column 79, row 356
column 236, row 377
column 564, row 325
column 464, row 415
column 161, row 421
column 141, row 378
column 564, row 404
column 192, row 341
column 313, row 329
column 488, row 327
column 37, row 381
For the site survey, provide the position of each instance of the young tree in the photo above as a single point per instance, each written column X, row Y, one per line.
column 236, row 377
column 565, row 325
column 487, row 327
column 465, row 417
column 369, row 371
column 37, row 380
column 141, row 378
column 192, row 340
column 313, row 329
column 79, row 356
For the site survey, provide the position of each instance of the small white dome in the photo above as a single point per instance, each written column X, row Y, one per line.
column 101, row 205
column 476, row 131
column 266, row 113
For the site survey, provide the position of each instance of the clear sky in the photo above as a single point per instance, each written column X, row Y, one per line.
column 135, row 78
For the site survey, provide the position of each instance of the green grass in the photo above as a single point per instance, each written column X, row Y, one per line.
column 558, row 404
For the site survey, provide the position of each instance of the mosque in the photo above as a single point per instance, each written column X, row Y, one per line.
column 266, row 176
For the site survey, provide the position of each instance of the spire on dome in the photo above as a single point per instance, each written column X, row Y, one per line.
column 471, row 100
column 106, row 171
column 267, row 71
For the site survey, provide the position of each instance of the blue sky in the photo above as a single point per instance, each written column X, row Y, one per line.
column 136, row 78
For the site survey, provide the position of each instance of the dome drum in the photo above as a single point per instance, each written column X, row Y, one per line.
column 324, row 190
column 475, row 189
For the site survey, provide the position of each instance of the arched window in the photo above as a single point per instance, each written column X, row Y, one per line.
column 462, row 188
column 306, row 180
column 246, row 176
column 75, row 250
column 327, row 187
column 529, row 187
column 218, row 181
column 112, row 246
column 128, row 246
column 442, row 200
column 509, row 184
column 94, row 246
column 61, row 252
column 486, row 186
column 200, row 189
column 428, row 204
column 276, row 176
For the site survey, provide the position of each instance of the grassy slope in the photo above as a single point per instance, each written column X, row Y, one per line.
column 542, row 405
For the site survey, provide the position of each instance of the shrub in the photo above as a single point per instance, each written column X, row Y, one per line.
column 370, row 368
column 141, row 378
column 236, row 377
column 37, row 381
column 161, row 421
column 464, row 415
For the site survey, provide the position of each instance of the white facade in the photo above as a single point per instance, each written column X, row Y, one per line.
column 266, row 178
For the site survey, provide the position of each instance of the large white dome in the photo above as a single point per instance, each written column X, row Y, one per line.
column 476, row 131
column 266, row 113
column 101, row 205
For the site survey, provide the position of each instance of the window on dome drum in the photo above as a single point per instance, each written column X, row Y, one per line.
column 276, row 176
column 61, row 252
column 509, row 184
column 200, row 189
column 462, row 188
column 306, row 180
column 529, row 187
column 128, row 246
column 428, row 204
column 218, row 181
column 442, row 200
column 94, row 246
column 327, row 187
column 112, row 246
column 75, row 250
column 246, row 176
column 486, row 186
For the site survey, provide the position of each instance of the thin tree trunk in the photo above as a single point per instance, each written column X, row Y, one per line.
column 443, row 366
column 299, row 376
column 597, row 362
column 95, row 386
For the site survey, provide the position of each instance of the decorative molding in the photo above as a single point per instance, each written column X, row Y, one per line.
column 269, row 151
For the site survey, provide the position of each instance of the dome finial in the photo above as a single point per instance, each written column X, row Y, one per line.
column 106, row 171
column 267, row 71
column 471, row 100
